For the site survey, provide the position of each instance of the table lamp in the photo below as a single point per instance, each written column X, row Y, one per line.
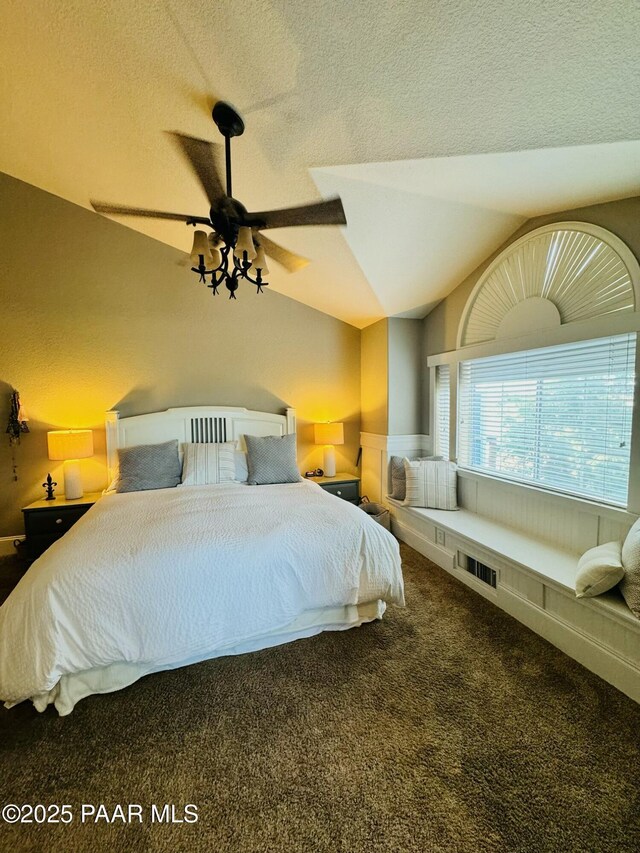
column 329, row 435
column 70, row 445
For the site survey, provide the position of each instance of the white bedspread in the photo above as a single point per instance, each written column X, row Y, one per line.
column 156, row 579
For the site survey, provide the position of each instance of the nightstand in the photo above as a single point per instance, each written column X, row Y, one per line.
column 345, row 486
column 46, row 521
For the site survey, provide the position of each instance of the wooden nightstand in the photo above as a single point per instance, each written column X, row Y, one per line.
column 46, row 521
column 345, row 486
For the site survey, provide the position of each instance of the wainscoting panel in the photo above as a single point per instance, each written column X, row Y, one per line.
column 376, row 451
column 570, row 524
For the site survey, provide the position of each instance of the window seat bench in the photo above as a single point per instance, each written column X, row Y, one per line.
column 534, row 582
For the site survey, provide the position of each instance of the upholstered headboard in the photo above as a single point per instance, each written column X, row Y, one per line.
column 196, row 424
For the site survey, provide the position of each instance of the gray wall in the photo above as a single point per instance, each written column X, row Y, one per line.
column 405, row 376
column 94, row 316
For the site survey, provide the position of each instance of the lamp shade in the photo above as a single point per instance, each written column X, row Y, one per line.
column 244, row 243
column 70, row 443
column 201, row 249
column 329, row 433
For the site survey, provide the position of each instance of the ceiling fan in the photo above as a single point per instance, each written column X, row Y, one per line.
column 236, row 247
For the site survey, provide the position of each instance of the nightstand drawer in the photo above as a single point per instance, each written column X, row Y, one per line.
column 52, row 521
column 346, row 491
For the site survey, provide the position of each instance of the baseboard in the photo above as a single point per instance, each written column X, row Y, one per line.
column 6, row 545
column 575, row 644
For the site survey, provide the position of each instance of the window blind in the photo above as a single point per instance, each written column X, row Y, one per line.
column 443, row 395
column 558, row 417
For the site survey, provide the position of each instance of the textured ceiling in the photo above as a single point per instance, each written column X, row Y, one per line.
column 86, row 90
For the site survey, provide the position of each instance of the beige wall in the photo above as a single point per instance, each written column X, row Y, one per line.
column 375, row 377
column 94, row 315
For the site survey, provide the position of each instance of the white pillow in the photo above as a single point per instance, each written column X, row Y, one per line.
column 630, row 583
column 242, row 471
column 431, row 484
column 208, row 464
column 599, row 569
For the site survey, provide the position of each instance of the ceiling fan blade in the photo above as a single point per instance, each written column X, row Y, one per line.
column 123, row 210
column 203, row 157
column 290, row 261
column 328, row 212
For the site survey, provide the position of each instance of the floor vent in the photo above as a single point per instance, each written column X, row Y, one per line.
column 482, row 572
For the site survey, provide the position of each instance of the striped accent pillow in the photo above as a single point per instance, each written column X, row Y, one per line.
column 208, row 464
column 431, row 484
column 398, row 477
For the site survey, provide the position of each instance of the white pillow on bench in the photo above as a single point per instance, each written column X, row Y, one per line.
column 599, row 569
column 431, row 484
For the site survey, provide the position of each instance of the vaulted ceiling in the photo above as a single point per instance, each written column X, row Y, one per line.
column 443, row 125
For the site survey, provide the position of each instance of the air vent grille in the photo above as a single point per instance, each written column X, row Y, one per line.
column 482, row 572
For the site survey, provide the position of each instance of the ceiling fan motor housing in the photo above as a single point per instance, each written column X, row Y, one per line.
column 227, row 217
column 227, row 120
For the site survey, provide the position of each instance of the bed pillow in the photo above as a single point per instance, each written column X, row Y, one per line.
column 431, row 484
column 208, row 463
column 242, row 472
column 630, row 583
column 148, row 466
column 398, row 477
column 599, row 569
column 272, row 459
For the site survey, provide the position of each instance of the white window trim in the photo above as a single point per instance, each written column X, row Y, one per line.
column 601, row 327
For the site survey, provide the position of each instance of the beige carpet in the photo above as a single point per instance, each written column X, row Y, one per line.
column 446, row 727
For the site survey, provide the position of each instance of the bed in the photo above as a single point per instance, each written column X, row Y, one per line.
column 154, row 580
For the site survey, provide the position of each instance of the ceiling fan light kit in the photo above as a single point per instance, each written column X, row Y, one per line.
column 235, row 249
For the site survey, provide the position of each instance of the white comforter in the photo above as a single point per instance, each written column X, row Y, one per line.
column 151, row 580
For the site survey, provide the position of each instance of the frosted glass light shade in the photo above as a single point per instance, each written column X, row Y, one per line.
column 66, row 444
column 260, row 262
column 201, row 246
column 244, row 243
column 329, row 433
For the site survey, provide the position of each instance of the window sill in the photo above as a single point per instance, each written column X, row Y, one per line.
column 567, row 501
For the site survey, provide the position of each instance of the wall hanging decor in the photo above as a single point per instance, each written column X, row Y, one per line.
column 16, row 426
column 48, row 485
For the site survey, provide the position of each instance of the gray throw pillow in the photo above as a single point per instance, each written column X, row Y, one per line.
column 398, row 478
column 148, row 466
column 272, row 459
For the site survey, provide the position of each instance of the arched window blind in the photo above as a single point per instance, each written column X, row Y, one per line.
column 558, row 417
